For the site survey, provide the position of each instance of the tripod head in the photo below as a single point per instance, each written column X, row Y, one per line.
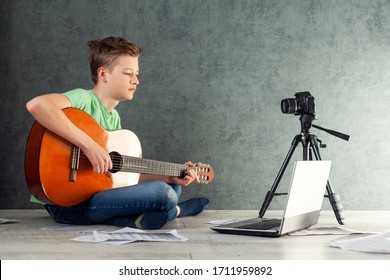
column 306, row 124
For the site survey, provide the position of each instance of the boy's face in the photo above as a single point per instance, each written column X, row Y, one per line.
column 122, row 79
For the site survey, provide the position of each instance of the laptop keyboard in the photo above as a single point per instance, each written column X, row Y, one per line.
column 263, row 224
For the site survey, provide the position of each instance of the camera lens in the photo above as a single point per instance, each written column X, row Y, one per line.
column 289, row 106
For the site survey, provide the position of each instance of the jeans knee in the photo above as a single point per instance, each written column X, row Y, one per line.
column 171, row 198
column 166, row 195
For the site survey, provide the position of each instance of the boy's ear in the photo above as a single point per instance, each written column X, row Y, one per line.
column 102, row 74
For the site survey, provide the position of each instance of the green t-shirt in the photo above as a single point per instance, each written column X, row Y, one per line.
column 87, row 101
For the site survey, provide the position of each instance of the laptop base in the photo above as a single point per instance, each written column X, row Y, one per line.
column 287, row 225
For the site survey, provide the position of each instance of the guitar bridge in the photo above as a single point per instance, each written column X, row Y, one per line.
column 74, row 163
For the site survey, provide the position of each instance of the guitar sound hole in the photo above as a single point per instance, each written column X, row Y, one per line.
column 117, row 162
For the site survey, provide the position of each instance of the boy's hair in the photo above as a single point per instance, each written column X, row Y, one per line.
column 105, row 52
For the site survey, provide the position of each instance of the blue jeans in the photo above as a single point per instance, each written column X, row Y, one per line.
column 154, row 196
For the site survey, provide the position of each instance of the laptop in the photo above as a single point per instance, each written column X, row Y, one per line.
column 302, row 208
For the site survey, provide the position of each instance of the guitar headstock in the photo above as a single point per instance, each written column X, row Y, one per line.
column 205, row 173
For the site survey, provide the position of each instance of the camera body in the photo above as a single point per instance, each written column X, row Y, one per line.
column 303, row 103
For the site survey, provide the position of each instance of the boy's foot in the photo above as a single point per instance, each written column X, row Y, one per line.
column 193, row 206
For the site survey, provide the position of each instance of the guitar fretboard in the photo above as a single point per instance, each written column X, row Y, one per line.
column 148, row 166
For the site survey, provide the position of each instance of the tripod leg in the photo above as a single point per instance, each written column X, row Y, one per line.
column 306, row 148
column 271, row 192
column 333, row 198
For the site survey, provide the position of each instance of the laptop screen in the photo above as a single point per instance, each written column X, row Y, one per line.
column 307, row 187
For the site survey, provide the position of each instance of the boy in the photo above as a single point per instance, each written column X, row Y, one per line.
column 147, row 205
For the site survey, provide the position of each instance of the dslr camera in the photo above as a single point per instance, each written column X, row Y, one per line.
column 303, row 103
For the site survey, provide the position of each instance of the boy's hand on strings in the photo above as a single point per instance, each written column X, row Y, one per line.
column 190, row 176
column 99, row 157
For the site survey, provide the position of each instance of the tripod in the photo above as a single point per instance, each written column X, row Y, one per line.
column 309, row 144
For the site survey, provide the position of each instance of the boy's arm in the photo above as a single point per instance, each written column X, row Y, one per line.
column 47, row 110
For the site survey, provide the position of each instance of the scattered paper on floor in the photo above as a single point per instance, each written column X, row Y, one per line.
column 7, row 221
column 129, row 235
column 332, row 230
column 371, row 243
column 73, row 228
column 226, row 221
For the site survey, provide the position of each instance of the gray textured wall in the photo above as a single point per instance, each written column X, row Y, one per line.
column 213, row 74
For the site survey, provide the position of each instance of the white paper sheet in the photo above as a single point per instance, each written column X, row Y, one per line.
column 72, row 228
column 129, row 235
column 7, row 221
column 226, row 221
column 321, row 230
column 371, row 243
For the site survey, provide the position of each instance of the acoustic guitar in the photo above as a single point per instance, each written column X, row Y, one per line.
column 57, row 172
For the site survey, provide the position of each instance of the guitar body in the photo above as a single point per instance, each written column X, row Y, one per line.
column 48, row 158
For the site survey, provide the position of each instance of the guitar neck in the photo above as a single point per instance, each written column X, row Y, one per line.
column 148, row 166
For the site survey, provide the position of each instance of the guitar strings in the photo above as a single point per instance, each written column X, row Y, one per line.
column 148, row 166
column 125, row 162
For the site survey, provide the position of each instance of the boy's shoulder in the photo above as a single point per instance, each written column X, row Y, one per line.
column 78, row 91
column 80, row 94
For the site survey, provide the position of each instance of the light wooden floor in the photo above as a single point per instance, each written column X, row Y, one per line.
column 26, row 240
